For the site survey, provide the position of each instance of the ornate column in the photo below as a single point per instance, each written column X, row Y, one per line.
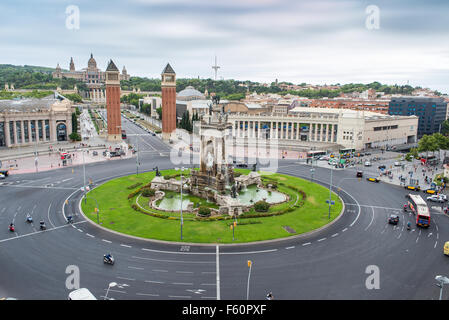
column 297, row 131
column 271, row 130
column 30, row 134
column 44, row 133
column 22, row 131
column 7, row 134
column 15, row 131
column 310, row 132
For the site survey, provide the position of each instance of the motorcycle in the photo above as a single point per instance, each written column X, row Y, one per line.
column 29, row 219
column 42, row 225
column 11, row 228
column 109, row 259
column 69, row 219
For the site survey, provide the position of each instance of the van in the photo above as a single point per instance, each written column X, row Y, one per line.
column 81, row 294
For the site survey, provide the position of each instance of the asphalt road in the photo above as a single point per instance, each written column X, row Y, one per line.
column 330, row 264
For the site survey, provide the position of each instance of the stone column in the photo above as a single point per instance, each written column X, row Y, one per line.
column 22, row 131
column 15, row 132
column 44, row 134
column 36, row 129
column 298, row 136
column 310, row 132
column 30, row 134
column 271, row 130
column 7, row 135
column 316, row 132
column 333, row 133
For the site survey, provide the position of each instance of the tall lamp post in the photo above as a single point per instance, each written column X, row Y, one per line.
column 182, row 221
column 442, row 280
column 250, row 264
column 112, row 284
column 330, row 193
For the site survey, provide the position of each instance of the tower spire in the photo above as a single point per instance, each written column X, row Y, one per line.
column 215, row 67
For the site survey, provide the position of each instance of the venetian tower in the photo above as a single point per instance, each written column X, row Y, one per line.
column 112, row 83
column 168, row 86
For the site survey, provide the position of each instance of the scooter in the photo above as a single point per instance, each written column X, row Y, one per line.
column 11, row 228
column 108, row 260
column 43, row 226
column 29, row 219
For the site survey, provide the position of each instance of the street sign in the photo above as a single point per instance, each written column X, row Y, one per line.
column 332, row 202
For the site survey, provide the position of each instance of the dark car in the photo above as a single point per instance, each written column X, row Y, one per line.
column 114, row 154
column 382, row 167
column 373, row 179
column 367, row 153
column 393, row 219
column 359, row 174
column 95, row 153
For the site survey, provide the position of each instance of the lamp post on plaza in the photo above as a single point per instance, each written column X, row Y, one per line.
column 182, row 221
column 442, row 280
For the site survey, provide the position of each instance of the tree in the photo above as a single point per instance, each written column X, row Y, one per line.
column 159, row 112
column 445, row 127
column 75, row 136
column 427, row 143
column 74, row 122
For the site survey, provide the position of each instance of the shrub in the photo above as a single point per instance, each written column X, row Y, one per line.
column 134, row 186
column 204, row 211
column 75, row 136
column 261, row 206
column 148, row 192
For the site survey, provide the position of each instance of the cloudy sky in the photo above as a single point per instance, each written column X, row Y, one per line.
column 314, row 41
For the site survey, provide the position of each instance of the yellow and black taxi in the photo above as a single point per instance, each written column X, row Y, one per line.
column 430, row 191
column 446, row 248
column 373, row 179
column 413, row 188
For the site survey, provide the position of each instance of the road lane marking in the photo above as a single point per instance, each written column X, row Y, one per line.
column 173, row 261
column 372, row 219
column 292, row 247
column 87, row 234
column 137, row 268
column 435, row 244
column 125, row 245
column 158, row 270
column 150, row 281
column 147, row 294
column 184, row 271
column 344, row 229
column 48, row 215
column 182, row 283
column 334, row 235
column 182, row 297
column 106, row 240
column 306, row 244
column 123, row 278
column 322, row 239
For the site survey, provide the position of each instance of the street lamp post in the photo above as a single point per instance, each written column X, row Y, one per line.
column 330, row 193
column 182, row 221
column 250, row 263
column 442, row 280
column 112, row 284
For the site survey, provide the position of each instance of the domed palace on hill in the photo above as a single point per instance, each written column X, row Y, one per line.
column 92, row 76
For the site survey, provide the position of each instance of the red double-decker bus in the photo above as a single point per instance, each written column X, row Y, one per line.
column 420, row 209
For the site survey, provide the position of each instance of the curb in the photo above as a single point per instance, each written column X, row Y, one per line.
column 302, row 235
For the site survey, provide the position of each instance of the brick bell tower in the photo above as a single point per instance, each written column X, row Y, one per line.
column 113, row 102
column 168, row 86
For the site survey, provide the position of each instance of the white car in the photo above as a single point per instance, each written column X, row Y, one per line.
column 397, row 164
column 437, row 198
column 2, row 176
column 367, row 164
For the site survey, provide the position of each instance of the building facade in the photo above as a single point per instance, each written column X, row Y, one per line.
column 430, row 111
column 30, row 121
column 326, row 128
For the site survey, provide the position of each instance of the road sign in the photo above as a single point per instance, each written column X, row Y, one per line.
column 332, row 202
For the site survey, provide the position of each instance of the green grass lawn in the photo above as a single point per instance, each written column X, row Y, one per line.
column 116, row 213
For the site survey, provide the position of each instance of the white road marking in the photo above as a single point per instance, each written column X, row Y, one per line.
column 123, row 278
column 334, row 235
column 106, row 241
column 207, row 284
column 173, row 261
column 48, row 215
column 184, row 271
column 147, row 294
column 137, row 268
column 125, row 245
column 182, row 283
column 157, row 270
column 321, row 239
column 149, row 281
column 344, row 229
column 182, row 297
column 113, row 290
column 306, row 244
column 372, row 219
column 87, row 234
column 207, row 297
column 435, row 244
column 290, row 247
column 79, row 230
column 208, row 272
column 429, row 235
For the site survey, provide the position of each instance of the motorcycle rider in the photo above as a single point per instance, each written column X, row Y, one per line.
column 405, row 207
column 408, row 225
column 270, row 296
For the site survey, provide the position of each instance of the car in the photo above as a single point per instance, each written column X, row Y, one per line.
column 382, row 167
column 367, row 164
column 114, row 154
column 430, row 191
column 446, row 248
column 372, row 179
column 325, row 158
column 359, row 174
column 95, row 153
column 393, row 219
column 413, row 188
column 397, row 164
column 2, row 176
column 436, row 198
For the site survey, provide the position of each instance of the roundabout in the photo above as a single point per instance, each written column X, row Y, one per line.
column 303, row 208
column 329, row 263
